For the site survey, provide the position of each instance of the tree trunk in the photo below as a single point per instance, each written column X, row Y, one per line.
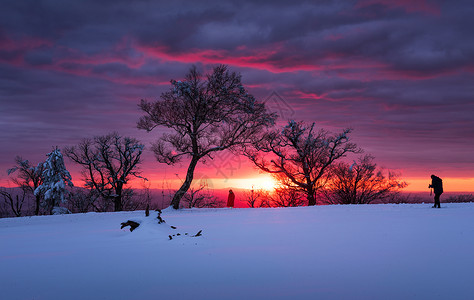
column 38, row 202
column 186, row 184
column 51, row 207
column 118, row 203
column 118, row 197
column 311, row 198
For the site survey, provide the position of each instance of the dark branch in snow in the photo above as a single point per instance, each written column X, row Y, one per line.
column 197, row 234
column 133, row 225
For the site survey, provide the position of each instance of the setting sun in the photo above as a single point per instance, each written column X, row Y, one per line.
column 264, row 182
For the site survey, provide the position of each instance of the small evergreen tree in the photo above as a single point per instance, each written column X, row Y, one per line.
column 55, row 179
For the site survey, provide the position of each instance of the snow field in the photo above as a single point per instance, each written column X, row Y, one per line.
column 408, row 251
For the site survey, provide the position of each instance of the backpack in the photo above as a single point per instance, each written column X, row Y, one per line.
column 437, row 185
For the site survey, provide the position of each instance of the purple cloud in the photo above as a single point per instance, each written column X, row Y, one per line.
column 399, row 72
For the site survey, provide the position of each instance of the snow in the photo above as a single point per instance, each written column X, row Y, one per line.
column 407, row 251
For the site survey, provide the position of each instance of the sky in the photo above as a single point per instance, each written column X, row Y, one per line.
column 400, row 73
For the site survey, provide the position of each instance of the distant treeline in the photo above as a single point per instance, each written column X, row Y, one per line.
column 137, row 199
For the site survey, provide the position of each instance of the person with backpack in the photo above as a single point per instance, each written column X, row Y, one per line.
column 437, row 186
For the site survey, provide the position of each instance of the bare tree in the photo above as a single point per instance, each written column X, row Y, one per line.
column 206, row 114
column 200, row 197
column 109, row 162
column 4, row 210
column 299, row 157
column 15, row 202
column 82, row 200
column 257, row 198
column 146, row 193
column 166, row 194
column 361, row 183
column 28, row 178
column 100, row 203
column 132, row 201
column 287, row 197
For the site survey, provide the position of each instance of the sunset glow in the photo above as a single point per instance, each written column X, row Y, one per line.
column 461, row 185
column 263, row 182
column 399, row 73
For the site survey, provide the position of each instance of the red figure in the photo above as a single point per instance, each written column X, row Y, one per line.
column 230, row 199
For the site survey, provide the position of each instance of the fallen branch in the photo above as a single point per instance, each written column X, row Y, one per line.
column 133, row 225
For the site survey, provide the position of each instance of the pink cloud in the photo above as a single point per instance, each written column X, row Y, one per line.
column 258, row 59
column 306, row 95
column 346, row 66
column 275, row 58
column 19, row 47
column 72, row 61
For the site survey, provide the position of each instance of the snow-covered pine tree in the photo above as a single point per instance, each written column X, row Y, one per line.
column 55, row 179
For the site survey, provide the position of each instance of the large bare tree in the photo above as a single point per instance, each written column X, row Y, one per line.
column 298, row 156
column 109, row 162
column 206, row 114
column 28, row 178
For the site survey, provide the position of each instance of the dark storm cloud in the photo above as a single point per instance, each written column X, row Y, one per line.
column 399, row 72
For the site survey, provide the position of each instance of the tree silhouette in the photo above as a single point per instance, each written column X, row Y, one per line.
column 200, row 197
column 109, row 161
column 299, row 157
column 206, row 114
column 15, row 202
column 361, row 183
column 257, row 198
column 29, row 178
column 287, row 197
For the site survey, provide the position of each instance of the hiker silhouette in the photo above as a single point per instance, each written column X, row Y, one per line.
column 437, row 186
column 230, row 199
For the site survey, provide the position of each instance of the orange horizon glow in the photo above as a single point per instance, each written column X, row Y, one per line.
column 266, row 182
column 450, row 184
column 260, row 181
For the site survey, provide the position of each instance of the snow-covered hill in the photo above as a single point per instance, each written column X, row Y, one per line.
column 406, row 251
